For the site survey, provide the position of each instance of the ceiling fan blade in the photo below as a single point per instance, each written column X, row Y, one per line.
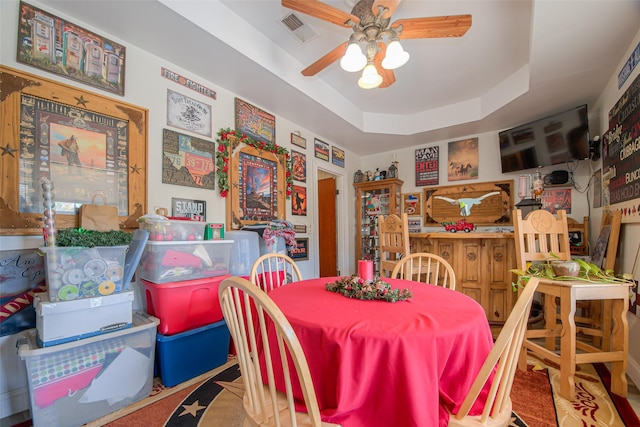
column 434, row 27
column 322, row 11
column 388, row 76
column 325, row 61
column 392, row 5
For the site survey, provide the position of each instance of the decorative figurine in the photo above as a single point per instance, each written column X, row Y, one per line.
column 358, row 176
column 376, row 175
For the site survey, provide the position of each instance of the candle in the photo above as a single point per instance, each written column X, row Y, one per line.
column 365, row 269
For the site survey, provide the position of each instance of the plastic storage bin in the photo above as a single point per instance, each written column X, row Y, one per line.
column 244, row 252
column 161, row 229
column 74, row 383
column 79, row 272
column 181, row 306
column 189, row 354
column 164, row 262
column 65, row 321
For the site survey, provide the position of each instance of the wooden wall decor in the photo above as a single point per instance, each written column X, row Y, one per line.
column 482, row 203
column 37, row 115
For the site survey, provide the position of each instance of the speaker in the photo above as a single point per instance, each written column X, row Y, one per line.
column 556, row 178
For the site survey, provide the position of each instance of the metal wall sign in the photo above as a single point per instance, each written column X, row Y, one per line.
column 187, row 208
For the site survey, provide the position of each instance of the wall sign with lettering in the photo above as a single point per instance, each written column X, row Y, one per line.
column 186, row 208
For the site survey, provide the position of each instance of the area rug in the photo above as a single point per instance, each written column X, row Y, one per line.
column 214, row 400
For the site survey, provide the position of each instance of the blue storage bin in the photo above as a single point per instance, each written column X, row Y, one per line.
column 186, row 355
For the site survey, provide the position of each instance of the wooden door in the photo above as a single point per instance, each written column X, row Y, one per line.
column 327, row 233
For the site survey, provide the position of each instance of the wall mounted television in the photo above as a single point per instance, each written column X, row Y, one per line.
column 553, row 140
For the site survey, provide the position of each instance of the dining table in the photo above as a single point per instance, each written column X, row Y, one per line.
column 378, row 363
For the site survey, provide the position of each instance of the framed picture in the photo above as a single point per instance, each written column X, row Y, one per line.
column 427, row 166
column 300, row 228
column 258, row 192
column 463, row 159
column 187, row 160
column 82, row 142
column 412, row 204
column 554, row 199
column 337, row 156
column 255, row 122
column 61, row 47
column 482, row 203
column 188, row 114
column 321, row 150
column 600, row 249
column 299, row 166
column 299, row 201
column 298, row 140
column 301, row 251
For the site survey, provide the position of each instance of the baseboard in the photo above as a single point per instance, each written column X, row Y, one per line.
column 14, row 401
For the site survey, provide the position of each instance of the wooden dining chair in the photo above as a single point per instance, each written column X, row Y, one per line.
column 503, row 360
column 261, row 332
column 540, row 234
column 393, row 241
column 427, row 268
column 273, row 270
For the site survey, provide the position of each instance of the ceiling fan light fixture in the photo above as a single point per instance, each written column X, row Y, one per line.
column 353, row 60
column 395, row 57
column 370, row 78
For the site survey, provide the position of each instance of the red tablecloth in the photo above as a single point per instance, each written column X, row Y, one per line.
column 376, row 363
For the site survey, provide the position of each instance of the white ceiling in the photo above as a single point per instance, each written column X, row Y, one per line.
column 520, row 60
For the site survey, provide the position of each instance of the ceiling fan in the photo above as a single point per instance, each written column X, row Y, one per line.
column 372, row 26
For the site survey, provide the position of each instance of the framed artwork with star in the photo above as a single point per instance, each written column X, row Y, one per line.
column 80, row 141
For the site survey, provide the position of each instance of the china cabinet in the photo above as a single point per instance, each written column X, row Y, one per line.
column 373, row 198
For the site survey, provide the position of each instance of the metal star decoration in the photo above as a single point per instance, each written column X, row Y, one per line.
column 8, row 150
column 135, row 169
column 81, row 101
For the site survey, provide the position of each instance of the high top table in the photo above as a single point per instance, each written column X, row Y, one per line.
column 376, row 363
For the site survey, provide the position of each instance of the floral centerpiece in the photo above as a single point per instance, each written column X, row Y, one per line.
column 357, row 287
column 225, row 137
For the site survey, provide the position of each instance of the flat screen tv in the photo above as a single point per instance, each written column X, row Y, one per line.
column 553, row 140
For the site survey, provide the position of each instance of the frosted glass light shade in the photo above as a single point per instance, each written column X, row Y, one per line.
column 370, row 78
column 353, row 60
column 396, row 56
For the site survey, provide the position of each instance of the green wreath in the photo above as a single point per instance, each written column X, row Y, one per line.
column 222, row 157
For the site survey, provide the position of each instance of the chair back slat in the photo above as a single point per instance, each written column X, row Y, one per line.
column 393, row 238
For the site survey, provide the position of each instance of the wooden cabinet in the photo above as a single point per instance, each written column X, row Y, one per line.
column 482, row 263
column 374, row 198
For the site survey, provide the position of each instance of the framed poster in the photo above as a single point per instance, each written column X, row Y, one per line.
column 188, row 114
column 412, row 204
column 463, row 159
column 321, row 150
column 299, row 201
column 600, row 249
column 554, row 199
column 189, row 208
column 337, row 156
column 427, row 166
column 301, row 250
column 61, row 47
column 255, row 122
column 299, row 166
column 187, row 160
column 109, row 152
column 258, row 191
column 482, row 203
column 298, row 140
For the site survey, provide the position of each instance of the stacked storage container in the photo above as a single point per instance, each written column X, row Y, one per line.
column 181, row 273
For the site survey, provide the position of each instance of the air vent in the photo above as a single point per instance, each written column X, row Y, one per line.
column 297, row 27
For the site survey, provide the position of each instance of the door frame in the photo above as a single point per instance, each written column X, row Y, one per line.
column 342, row 245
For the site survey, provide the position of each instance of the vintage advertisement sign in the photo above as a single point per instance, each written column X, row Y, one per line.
column 254, row 122
column 621, row 154
column 301, row 251
column 188, row 208
column 188, row 83
column 187, row 160
column 188, row 114
column 337, row 156
column 321, row 150
column 427, row 166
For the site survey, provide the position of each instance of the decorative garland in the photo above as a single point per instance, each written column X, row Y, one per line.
column 357, row 287
column 225, row 136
